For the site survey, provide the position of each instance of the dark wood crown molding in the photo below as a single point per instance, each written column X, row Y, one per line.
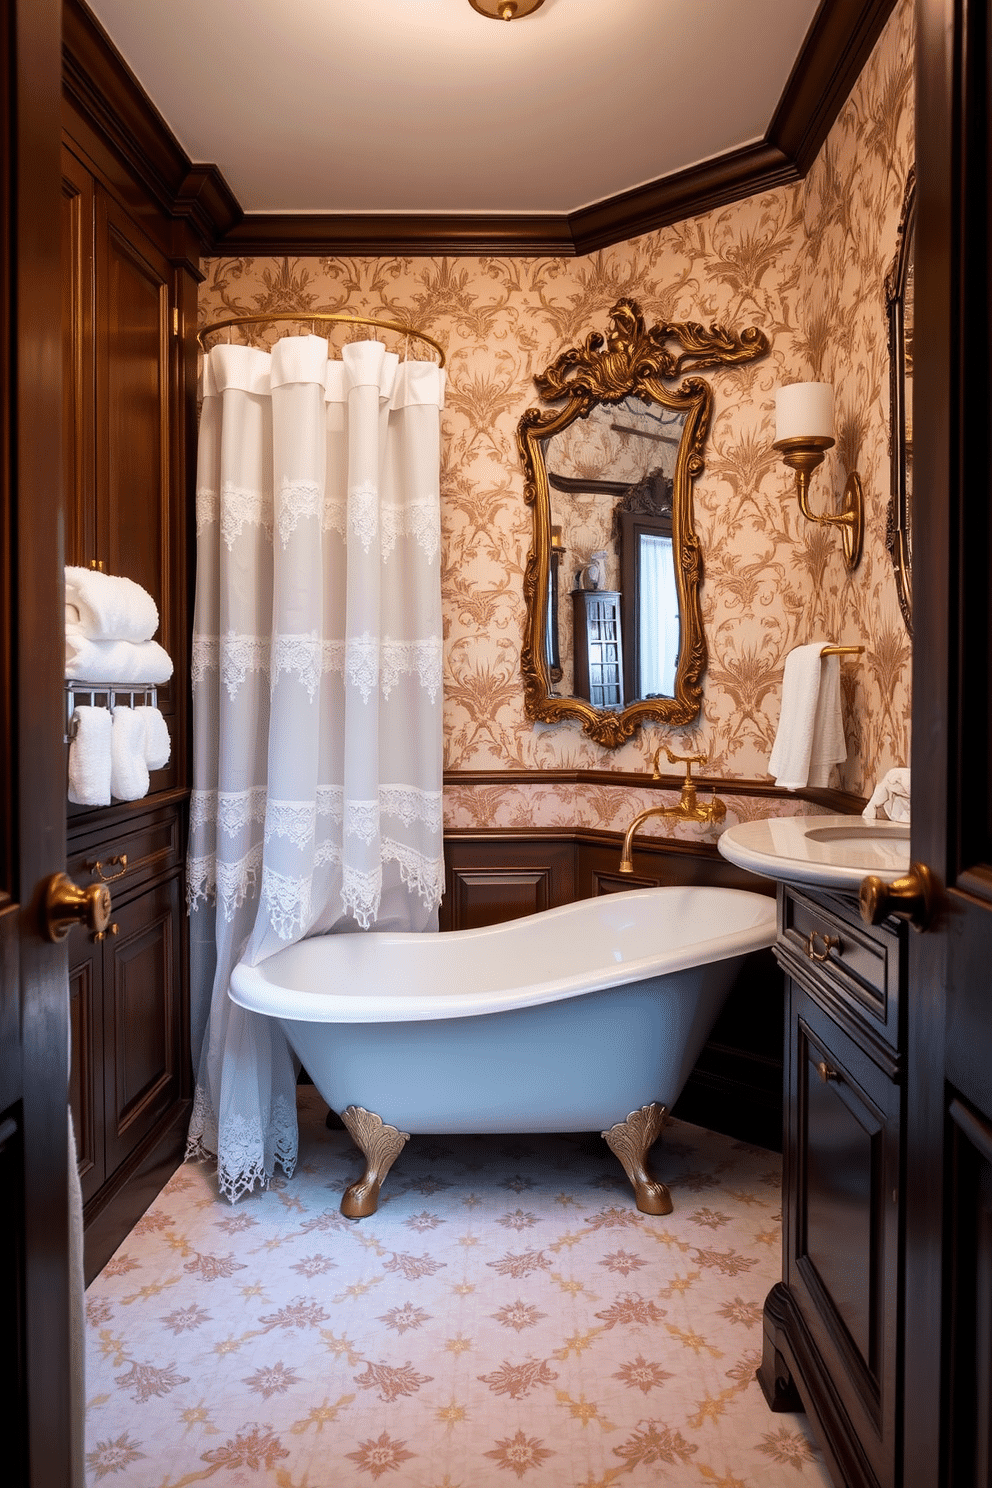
column 102, row 87
column 836, row 49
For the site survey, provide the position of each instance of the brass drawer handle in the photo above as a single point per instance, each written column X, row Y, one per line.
column 118, row 861
column 826, row 1073
column 830, row 942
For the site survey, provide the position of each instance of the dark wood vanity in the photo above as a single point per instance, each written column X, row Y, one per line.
column 833, row 1325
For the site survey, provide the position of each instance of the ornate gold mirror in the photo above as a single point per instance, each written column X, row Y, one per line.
column 899, row 299
column 614, row 631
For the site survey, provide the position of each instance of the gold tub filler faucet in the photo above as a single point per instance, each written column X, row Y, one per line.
column 688, row 808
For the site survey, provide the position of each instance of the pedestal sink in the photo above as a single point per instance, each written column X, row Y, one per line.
column 831, row 851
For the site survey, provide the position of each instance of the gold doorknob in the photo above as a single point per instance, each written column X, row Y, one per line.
column 910, row 897
column 66, row 904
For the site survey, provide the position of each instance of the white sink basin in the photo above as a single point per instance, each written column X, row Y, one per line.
column 831, row 851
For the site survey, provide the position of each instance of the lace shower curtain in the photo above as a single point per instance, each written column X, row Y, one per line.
column 316, row 696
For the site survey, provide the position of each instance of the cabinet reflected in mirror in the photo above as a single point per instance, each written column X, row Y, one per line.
column 614, row 631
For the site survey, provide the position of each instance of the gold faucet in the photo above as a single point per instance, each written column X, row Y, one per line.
column 688, row 808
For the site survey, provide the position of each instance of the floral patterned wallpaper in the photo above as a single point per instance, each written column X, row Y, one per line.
column 806, row 264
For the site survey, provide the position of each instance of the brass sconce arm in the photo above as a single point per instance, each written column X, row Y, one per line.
column 803, row 455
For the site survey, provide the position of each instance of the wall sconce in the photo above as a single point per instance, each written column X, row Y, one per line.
column 505, row 10
column 804, row 431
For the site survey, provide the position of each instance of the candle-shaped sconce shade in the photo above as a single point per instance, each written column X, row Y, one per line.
column 804, row 428
column 804, row 410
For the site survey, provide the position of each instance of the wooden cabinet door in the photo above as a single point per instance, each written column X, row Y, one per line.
column 142, row 1026
column 86, row 1060
column 78, row 453
column 842, row 1221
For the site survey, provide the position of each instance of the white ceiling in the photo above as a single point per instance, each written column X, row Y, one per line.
column 365, row 106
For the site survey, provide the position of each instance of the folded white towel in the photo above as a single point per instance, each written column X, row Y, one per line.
column 128, row 771
column 109, row 608
column 89, row 758
column 158, row 745
column 890, row 797
column 810, row 737
column 124, row 662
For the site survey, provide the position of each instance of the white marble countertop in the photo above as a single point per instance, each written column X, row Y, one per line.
column 829, row 851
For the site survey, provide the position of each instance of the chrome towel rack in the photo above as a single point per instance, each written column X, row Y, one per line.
column 103, row 695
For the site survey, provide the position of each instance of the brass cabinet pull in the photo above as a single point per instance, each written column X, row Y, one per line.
column 110, row 930
column 119, row 861
column 826, row 1072
column 65, row 905
column 830, row 942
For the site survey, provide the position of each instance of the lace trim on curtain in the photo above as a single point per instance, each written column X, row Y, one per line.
column 299, row 654
column 295, row 820
column 363, row 513
column 207, row 508
column 362, row 818
column 404, row 658
column 330, row 799
column 243, row 1163
column 287, row 901
column 231, row 811
column 241, row 507
column 366, row 663
column 419, row 519
column 239, row 655
column 205, row 658
column 297, row 499
column 361, row 892
column 237, row 880
column 201, row 881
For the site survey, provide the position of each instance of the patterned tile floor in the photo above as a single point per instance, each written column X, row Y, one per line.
column 507, row 1318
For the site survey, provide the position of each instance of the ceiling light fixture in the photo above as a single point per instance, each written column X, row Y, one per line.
column 505, row 10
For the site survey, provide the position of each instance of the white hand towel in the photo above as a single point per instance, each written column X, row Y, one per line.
column 110, row 608
column 124, row 662
column 158, row 745
column 810, row 737
column 128, row 771
column 89, row 758
column 890, row 797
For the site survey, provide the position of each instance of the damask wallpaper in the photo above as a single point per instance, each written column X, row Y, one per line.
column 805, row 263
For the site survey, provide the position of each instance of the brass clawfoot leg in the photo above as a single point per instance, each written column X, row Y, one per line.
column 380, row 1145
column 631, row 1140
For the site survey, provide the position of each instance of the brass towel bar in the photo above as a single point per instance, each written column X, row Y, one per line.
column 842, row 650
column 323, row 315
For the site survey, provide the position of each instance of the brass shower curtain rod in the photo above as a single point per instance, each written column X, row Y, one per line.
column 323, row 315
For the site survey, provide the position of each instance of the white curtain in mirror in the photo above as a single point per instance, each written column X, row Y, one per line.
column 316, row 696
column 657, row 619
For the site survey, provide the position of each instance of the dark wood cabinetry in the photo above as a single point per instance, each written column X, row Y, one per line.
column 129, row 274
column 832, row 1326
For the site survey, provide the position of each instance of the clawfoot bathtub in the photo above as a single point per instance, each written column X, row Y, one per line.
column 586, row 1017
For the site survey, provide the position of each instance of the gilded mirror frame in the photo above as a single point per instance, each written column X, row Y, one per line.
column 631, row 361
column 898, row 522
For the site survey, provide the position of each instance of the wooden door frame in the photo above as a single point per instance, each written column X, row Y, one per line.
column 33, row 979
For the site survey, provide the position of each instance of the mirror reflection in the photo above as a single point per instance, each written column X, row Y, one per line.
column 611, row 478
column 614, row 629
column 899, row 289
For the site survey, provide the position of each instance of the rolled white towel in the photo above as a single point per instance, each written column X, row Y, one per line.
column 89, row 757
column 891, row 797
column 125, row 662
column 158, row 745
column 128, row 771
column 110, row 608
